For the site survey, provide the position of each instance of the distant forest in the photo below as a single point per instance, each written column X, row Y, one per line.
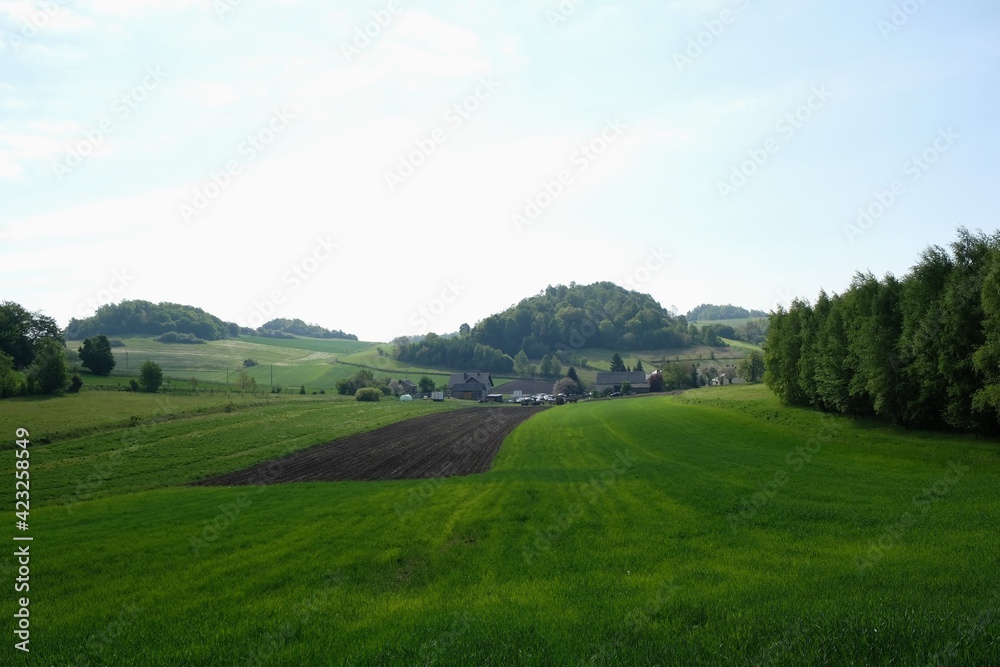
column 923, row 351
column 176, row 320
column 559, row 321
column 711, row 312
column 145, row 317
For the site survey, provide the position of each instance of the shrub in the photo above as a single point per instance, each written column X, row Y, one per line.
column 150, row 376
column 302, row 390
column 174, row 337
column 74, row 384
column 133, row 385
column 368, row 394
column 249, row 363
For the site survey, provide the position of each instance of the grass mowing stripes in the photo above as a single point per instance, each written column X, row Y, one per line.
column 634, row 531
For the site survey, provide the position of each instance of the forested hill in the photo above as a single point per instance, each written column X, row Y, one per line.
column 144, row 317
column 598, row 315
column 710, row 312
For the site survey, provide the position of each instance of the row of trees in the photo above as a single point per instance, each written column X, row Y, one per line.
column 365, row 379
column 922, row 352
column 459, row 352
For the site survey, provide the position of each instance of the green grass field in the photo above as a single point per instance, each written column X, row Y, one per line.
column 289, row 363
column 715, row 527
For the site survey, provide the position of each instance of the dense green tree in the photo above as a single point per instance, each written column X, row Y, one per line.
column 21, row 332
column 426, row 384
column 150, row 376
column 11, row 381
column 95, row 354
column 617, row 365
column 638, row 366
column 545, row 368
column 571, row 374
column 47, row 373
column 751, row 367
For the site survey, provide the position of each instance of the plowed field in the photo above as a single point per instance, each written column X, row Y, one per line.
column 445, row 444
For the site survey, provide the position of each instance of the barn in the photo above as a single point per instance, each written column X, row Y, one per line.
column 471, row 386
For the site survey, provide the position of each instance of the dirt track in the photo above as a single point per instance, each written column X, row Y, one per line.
column 445, row 444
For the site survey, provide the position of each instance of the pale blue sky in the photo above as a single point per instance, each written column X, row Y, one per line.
column 310, row 121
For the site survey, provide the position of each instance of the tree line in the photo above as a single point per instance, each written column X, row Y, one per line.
column 922, row 351
column 709, row 311
column 179, row 323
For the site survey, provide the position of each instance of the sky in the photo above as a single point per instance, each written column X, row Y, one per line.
column 396, row 167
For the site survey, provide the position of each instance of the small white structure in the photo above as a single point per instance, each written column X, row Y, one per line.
column 406, row 397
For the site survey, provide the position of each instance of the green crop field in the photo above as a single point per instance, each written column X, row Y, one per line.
column 715, row 527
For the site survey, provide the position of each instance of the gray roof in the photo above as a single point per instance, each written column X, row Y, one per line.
column 464, row 378
column 633, row 377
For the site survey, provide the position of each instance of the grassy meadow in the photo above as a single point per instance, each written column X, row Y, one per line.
column 715, row 527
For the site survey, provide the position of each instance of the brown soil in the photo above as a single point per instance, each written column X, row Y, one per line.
column 445, row 444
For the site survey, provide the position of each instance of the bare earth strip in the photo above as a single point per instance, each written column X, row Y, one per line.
column 446, row 444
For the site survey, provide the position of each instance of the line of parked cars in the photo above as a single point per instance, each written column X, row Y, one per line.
column 544, row 399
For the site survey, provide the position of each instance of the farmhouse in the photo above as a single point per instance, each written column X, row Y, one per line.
column 471, row 386
column 638, row 379
column 409, row 387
